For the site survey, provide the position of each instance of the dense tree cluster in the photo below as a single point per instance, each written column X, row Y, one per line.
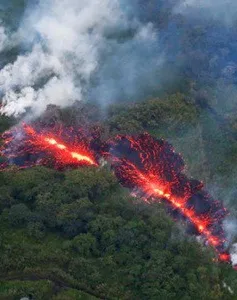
column 83, row 229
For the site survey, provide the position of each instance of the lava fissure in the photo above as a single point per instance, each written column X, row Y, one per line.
column 46, row 148
column 153, row 167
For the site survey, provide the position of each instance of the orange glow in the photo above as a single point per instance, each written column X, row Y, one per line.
column 224, row 257
column 75, row 155
column 53, row 142
column 201, row 225
column 80, row 157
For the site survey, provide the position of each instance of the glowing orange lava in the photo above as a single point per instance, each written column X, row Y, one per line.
column 154, row 170
column 152, row 188
column 61, row 151
column 224, row 257
column 57, row 147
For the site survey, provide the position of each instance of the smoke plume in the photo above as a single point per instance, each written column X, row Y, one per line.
column 76, row 50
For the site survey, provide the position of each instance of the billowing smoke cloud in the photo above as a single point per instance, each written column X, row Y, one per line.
column 78, row 50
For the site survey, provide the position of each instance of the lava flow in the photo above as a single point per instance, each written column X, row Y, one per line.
column 27, row 146
column 147, row 166
column 151, row 167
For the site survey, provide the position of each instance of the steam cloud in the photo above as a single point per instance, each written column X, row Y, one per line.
column 77, row 50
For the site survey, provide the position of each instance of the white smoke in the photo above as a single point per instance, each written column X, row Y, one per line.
column 68, row 41
column 24, row 74
column 233, row 254
column 230, row 228
column 228, row 288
